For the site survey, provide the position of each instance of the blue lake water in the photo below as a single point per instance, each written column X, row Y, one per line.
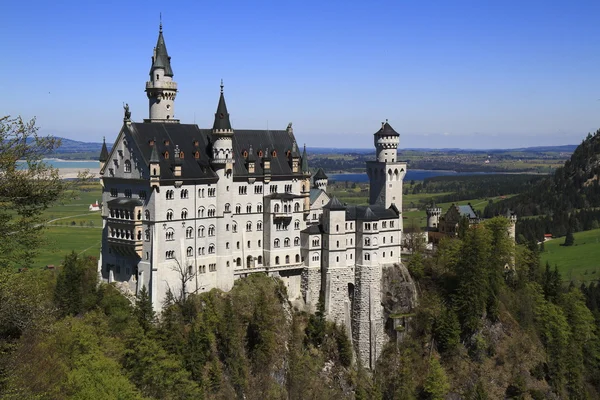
column 415, row 174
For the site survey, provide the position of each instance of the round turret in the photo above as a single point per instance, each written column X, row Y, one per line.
column 433, row 216
column 386, row 142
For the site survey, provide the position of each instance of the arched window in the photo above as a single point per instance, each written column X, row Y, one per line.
column 296, row 241
column 147, row 215
column 296, row 224
column 259, row 259
column 238, row 262
column 259, row 226
column 190, row 252
column 227, row 207
column 276, row 243
column 276, row 208
column 184, row 214
column 127, row 166
column 169, row 215
column 259, row 208
column 147, row 234
column 315, row 257
column 277, row 260
column 139, row 235
column 201, row 212
column 238, row 209
column 297, row 207
column 249, row 208
column 211, row 230
column 201, row 231
column 170, row 234
column 297, row 258
column 211, row 248
column 166, row 155
column 211, row 212
column 234, row 227
column 248, row 226
column 286, row 242
column 189, row 232
column 197, row 155
column 287, row 259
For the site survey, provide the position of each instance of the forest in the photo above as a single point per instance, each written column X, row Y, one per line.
column 481, row 330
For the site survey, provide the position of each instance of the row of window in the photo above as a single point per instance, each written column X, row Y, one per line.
column 124, row 234
column 124, row 214
column 287, row 208
column 127, row 192
column 286, row 242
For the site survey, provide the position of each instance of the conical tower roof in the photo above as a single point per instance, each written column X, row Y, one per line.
column 386, row 130
column 222, row 122
column 161, row 58
column 320, row 174
column 305, row 162
column 104, row 152
column 335, row 204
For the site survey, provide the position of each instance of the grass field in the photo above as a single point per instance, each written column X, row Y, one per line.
column 72, row 227
column 580, row 262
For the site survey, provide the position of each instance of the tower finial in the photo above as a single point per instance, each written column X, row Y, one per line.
column 222, row 85
column 160, row 19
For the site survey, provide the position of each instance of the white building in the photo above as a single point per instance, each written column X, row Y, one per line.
column 189, row 208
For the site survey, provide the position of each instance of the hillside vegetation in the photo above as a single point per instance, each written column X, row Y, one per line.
column 479, row 331
column 567, row 200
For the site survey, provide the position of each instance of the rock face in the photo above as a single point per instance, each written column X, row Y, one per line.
column 398, row 299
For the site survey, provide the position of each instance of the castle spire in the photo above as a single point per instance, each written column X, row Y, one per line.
column 222, row 123
column 161, row 57
column 104, row 152
column 305, row 169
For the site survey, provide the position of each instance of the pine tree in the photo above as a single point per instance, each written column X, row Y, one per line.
column 143, row 310
column 436, row 384
column 569, row 239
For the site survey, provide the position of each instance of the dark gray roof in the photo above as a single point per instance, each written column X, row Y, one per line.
column 314, row 229
column 154, row 155
column 295, row 151
column 222, row 121
column 386, row 130
column 104, row 152
column 125, row 202
column 283, row 196
column 373, row 212
column 186, row 136
column 161, row 58
column 166, row 137
column 335, row 204
column 320, row 174
column 305, row 162
column 467, row 211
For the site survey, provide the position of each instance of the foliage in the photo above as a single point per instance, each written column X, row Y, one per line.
column 436, row 384
column 24, row 192
column 76, row 284
column 569, row 239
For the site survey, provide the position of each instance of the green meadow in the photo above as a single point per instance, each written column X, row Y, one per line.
column 70, row 226
column 580, row 262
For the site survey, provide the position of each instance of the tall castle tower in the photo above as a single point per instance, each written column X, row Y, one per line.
column 433, row 217
column 386, row 173
column 161, row 89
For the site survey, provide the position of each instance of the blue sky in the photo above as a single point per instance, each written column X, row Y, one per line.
column 471, row 74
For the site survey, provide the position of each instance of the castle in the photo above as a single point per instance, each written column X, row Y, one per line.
column 188, row 209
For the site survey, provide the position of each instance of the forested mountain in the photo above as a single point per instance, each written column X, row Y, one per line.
column 566, row 200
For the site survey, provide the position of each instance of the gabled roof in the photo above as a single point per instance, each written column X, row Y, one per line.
column 185, row 136
column 373, row 212
column 467, row 211
column 104, row 152
column 315, row 193
column 386, row 130
column 161, row 57
column 320, row 174
column 314, row 229
column 222, row 121
column 334, row 204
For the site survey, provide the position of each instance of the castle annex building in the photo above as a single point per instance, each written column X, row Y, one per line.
column 188, row 209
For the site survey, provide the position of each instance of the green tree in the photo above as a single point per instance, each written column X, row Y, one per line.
column 446, row 330
column 24, row 192
column 436, row 384
column 569, row 239
column 143, row 311
column 76, row 285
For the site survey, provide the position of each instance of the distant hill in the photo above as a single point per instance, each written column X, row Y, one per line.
column 90, row 150
column 569, row 199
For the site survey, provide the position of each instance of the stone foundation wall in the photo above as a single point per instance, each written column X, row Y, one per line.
column 339, row 290
column 310, row 287
column 367, row 324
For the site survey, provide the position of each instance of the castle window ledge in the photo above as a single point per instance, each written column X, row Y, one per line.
column 282, row 215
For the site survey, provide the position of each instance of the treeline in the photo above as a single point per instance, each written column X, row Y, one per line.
column 473, row 186
column 533, row 229
column 504, row 332
column 573, row 187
